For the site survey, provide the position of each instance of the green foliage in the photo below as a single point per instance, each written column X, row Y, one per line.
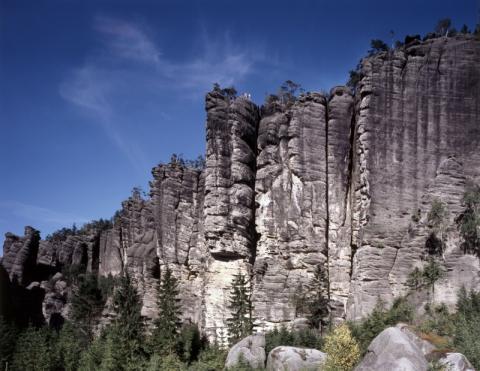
column 467, row 326
column 125, row 338
column 381, row 318
column 432, row 272
column 318, row 301
column 308, row 338
column 168, row 362
column 87, row 303
column 8, row 335
column 437, row 214
column 229, row 92
column 469, row 221
column 439, row 321
column 287, row 94
column 426, row 277
column 168, row 321
column 92, row 356
column 415, row 279
column 210, row 359
column 189, row 343
column 35, row 350
column 68, row 346
column 240, row 322
column 377, row 46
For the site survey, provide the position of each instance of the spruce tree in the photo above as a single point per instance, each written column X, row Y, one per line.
column 87, row 304
column 318, row 302
column 240, row 323
column 126, row 336
column 168, row 321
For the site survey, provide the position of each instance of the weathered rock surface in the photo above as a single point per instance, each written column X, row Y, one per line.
column 456, row 362
column 291, row 213
column 250, row 349
column 342, row 182
column 393, row 350
column 20, row 255
column 285, row 358
column 416, row 139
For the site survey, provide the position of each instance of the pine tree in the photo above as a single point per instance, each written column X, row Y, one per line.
column 318, row 302
column 240, row 324
column 168, row 321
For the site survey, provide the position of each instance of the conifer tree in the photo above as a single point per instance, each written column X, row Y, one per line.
column 168, row 321
column 240, row 323
column 125, row 339
column 318, row 302
column 87, row 303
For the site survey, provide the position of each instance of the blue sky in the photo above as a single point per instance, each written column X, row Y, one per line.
column 93, row 94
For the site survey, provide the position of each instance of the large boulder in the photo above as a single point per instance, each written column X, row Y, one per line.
column 393, row 350
column 285, row 358
column 456, row 362
column 250, row 349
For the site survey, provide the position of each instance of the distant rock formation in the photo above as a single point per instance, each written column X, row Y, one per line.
column 342, row 181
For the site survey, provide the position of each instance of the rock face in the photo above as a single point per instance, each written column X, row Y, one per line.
column 20, row 255
column 251, row 350
column 285, row 358
column 456, row 362
column 393, row 350
column 341, row 182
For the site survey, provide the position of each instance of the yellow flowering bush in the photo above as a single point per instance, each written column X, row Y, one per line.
column 342, row 349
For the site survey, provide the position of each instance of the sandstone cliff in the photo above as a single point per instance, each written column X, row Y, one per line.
column 343, row 182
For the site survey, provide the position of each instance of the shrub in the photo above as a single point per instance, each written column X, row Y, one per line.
column 343, row 351
column 467, row 326
column 377, row 46
column 469, row 220
column 380, row 318
column 307, row 338
column 210, row 359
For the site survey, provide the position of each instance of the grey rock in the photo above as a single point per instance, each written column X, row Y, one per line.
column 456, row 362
column 20, row 255
column 251, row 349
column 393, row 350
column 284, row 358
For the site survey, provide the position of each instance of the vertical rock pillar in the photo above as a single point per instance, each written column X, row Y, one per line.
column 229, row 201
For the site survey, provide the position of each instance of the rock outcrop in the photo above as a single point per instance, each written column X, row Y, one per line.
column 342, row 181
column 250, row 350
column 284, row 358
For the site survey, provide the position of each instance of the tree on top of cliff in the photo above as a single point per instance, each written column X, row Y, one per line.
column 228, row 92
column 168, row 321
column 443, row 27
column 377, row 46
column 240, row 323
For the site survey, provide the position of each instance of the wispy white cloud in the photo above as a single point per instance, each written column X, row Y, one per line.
column 131, row 63
column 41, row 214
column 127, row 40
